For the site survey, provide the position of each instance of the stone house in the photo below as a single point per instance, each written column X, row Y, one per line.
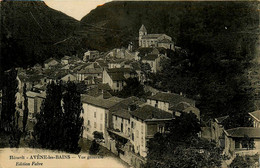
column 242, row 140
column 50, row 62
column 116, row 77
column 97, row 116
column 65, row 60
column 35, row 100
column 90, row 55
column 145, row 122
column 168, row 101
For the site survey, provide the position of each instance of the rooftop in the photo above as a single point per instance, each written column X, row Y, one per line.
column 143, row 28
column 241, row 132
column 49, row 60
column 165, row 41
column 123, row 113
column 171, row 98
column 255, row 115
column 150, row 57
column 150, row 112
column 152, row 36
column 103, row 103
column 221, row 119
column 180, row 106
column 117, row 76
column 65, row 58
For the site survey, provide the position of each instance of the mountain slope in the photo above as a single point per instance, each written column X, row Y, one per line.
column 32, row 32
column 214, row 23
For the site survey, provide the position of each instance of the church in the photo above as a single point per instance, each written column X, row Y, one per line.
column 154, row 40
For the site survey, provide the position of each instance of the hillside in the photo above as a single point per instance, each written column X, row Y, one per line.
column 31, row 32
column 220, row 39
column 209, row 23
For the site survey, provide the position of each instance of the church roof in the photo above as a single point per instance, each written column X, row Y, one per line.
column 143, row 29
column 152, row 36
column 165, row 41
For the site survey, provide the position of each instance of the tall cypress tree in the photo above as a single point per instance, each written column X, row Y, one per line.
column 48, row 130
column 72, row 121
column 10, row 85
column 25, row 110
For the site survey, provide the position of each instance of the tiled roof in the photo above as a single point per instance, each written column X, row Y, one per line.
column 104, row 86
column 171, row 98
column 91, row 71
column 103, row 103
column 36, row 94
column 95, row 92
column 122, row 113
column 240, row 132
column 117, row 76
column 125, row 103
column 180, row 106
column 150, row 112
column 65, row 58
column 152, row 36
column 135, row 66
column 255, row 115
column 102, row 63
column 150, row 57
column 221, row 119
column 165, row 41
column 49, row 60
column 118, row 70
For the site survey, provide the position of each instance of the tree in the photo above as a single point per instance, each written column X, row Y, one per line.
column 94, row 148
column 72, row 119
column 25, row 110
column 185, row 126
column 182, row 147
column 58, row 128
column 48, row 131
column 10, row 85
column 244, row 161
column 132, row 88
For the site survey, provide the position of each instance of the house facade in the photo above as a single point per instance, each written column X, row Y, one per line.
column 35, row 100
column 96, row 116
column 50, row 62
column 242, row 140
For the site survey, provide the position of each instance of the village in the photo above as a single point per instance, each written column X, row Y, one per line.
column 127, row 124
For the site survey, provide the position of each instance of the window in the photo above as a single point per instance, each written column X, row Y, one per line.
column 133, row 138
column 237, row 144
column 160, row 128
column 88, row 122
column 137, row 134
column 95, row 114
column 95, row 125
column 142, row 129
column 132, row 124
column 142, row 141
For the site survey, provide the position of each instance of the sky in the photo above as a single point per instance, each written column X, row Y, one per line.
column 75, row 8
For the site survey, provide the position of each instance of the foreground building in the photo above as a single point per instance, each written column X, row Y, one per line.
column 242, row 140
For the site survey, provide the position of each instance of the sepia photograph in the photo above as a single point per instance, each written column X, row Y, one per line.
column 129, row 84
